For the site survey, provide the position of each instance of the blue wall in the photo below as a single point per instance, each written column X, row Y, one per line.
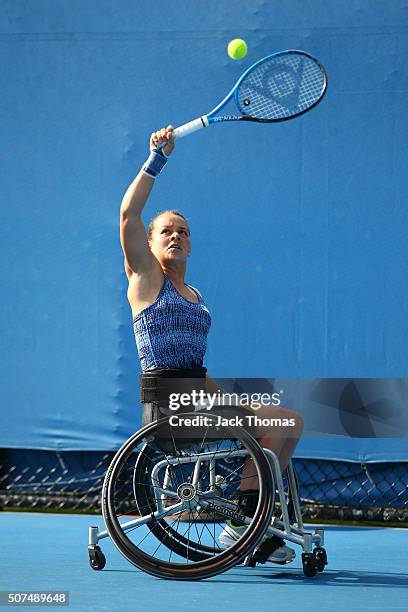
column 299, row 229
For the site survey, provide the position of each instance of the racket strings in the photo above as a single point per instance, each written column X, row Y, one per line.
column 281, row 87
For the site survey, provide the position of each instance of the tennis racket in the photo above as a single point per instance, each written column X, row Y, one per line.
column 278, row 87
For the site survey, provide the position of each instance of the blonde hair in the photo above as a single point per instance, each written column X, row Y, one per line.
column 159, row 214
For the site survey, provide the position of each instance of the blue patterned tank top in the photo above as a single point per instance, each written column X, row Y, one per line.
column 172, row 332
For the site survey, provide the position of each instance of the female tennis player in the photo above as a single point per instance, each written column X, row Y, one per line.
column 171, row 321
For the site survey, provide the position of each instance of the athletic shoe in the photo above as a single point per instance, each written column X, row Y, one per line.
column 232, row 533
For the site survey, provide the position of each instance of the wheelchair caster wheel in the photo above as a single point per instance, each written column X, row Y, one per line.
column 320, row 558
column 309, row 565
column 96, row 558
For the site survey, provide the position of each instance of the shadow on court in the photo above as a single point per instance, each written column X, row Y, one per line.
column 341, row 578
column 331, row 577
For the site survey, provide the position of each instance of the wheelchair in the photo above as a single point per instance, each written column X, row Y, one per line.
column 167, row 497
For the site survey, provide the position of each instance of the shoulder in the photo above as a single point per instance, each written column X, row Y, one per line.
column 195, row 291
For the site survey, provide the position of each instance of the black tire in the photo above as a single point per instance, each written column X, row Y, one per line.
column 309, row 565
column 96, row 558
column 320, row 558
column 197, row 559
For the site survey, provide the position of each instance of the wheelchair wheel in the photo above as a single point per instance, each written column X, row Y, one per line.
column 145, row 500
column 157, row 476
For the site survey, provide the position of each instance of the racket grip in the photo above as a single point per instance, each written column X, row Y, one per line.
column 191, row 126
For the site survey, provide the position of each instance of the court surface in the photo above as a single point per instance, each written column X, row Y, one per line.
column 368, row 570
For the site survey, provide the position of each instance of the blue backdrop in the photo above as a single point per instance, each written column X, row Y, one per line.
column 298, row 229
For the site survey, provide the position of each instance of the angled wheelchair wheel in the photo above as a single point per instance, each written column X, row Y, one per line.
column 158, row 477
column 163, row 531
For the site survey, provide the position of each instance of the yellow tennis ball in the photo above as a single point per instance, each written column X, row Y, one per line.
column 237, row 48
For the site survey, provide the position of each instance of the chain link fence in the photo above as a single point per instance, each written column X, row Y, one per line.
column 72, row 481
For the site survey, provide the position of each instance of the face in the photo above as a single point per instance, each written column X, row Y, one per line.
column 170, row 239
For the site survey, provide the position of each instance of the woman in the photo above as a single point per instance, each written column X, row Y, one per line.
column 171, row 321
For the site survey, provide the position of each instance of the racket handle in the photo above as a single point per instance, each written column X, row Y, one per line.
column 191, row 126
column 188, row 128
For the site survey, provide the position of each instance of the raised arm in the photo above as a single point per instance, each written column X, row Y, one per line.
column 133, row 236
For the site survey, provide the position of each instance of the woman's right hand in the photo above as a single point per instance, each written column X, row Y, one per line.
column 165, row 135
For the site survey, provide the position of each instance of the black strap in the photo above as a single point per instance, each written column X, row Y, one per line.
column 267, row 548
column 248, row 501
column 157, row 385
column 198, row 372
